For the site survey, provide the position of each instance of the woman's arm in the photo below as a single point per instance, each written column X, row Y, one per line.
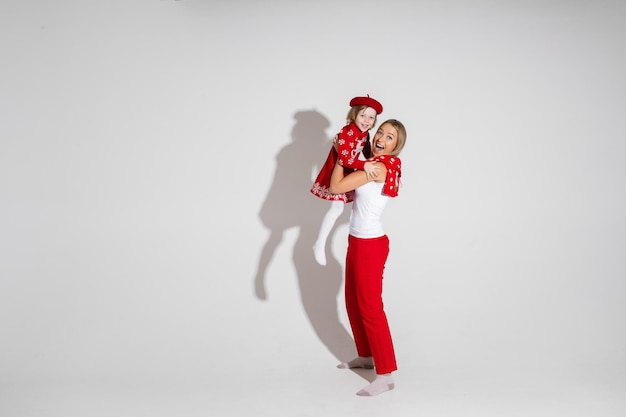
column 340, row 183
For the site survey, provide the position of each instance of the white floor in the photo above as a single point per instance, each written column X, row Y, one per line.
column 312, row 388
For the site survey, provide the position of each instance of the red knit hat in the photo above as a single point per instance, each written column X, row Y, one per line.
column 367, row 101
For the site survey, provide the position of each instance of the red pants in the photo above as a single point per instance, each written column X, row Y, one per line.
column 365, row 262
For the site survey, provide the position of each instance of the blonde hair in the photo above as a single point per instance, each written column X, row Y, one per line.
column 401, row 130
column 354, row 112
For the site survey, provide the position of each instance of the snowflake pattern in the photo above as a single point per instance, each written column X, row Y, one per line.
column 350, row 143
column 356, row 147
column 324, row 192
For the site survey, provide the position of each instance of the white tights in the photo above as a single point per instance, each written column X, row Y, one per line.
column 331, row 216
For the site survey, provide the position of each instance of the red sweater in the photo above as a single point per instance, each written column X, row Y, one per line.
column 350, row 143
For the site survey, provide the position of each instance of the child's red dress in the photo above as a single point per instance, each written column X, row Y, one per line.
column 350, row 143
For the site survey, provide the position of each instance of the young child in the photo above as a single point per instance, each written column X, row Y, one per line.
column 352, row 141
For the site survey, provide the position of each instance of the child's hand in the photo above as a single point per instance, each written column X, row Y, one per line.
column 371, row 170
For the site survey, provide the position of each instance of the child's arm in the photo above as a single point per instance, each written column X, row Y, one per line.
column 369, row 167
column 348, row 157
column 346, row 151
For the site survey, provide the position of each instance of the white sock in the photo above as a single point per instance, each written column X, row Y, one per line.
column 382, row 383
column 319, row 250
column 365, row 362
column 331, row 216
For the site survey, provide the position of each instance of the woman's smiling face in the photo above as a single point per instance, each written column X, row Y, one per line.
column 385, row 140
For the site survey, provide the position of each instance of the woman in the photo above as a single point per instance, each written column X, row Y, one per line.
column 368, row 247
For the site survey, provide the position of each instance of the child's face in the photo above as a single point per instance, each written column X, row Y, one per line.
column 365, row 119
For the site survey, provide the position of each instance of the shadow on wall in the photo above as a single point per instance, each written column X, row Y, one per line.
column 288, row 204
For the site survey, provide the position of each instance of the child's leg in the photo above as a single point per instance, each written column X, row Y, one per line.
column 331, row 216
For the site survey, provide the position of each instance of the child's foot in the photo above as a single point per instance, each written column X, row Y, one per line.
column 382, row 383
column 319, row 249
column 365, row 362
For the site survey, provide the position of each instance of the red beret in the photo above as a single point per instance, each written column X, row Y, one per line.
column 367, row 101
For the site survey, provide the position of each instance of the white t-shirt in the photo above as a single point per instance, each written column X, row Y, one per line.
column 367, row 210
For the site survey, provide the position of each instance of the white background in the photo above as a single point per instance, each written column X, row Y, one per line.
column 156, row 225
